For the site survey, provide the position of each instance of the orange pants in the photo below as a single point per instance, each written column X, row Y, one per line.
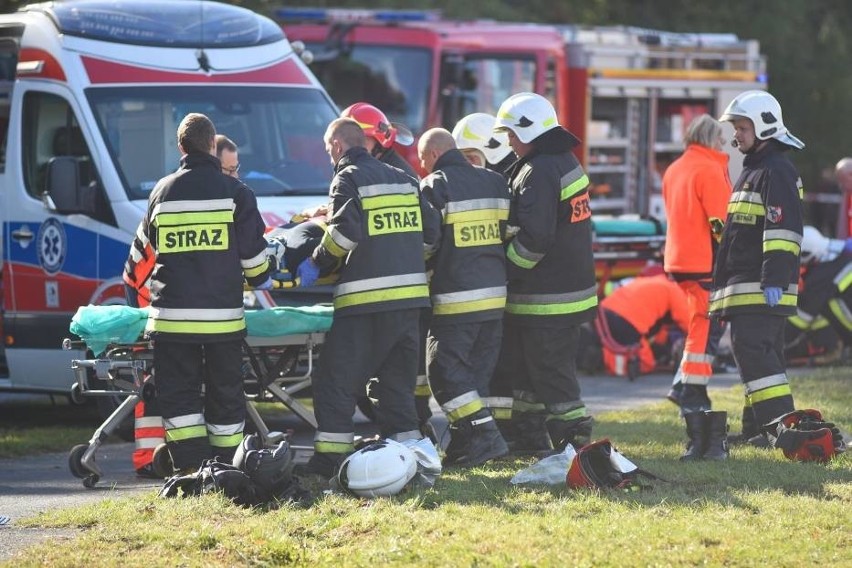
column 702, row 336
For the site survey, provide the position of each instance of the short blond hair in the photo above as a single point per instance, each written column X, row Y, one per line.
column 704, row 130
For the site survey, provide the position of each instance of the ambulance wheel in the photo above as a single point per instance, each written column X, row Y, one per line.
column 75, row 461
column 91, row 480
column 161, row 462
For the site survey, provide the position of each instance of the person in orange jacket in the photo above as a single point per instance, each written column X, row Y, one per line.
column 696, row 190
column 636, row 312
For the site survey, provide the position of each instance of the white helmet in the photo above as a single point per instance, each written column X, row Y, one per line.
column 528, row 115
column 818, row 248
column 378, row 470
column 476, row 131
column 765, row 113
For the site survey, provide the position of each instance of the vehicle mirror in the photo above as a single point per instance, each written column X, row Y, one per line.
column 64, row 193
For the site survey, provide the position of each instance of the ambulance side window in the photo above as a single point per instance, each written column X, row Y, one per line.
column 50, row 129
column 8, row 62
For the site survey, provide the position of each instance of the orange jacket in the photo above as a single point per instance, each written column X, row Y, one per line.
column 647, row 300
column 696, row 188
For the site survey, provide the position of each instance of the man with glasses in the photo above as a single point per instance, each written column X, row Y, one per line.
column 226, row 151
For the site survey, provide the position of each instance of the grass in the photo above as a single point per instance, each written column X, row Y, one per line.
column 754, row 509
column 40, row 424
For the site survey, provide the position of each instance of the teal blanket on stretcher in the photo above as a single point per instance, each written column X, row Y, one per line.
column 100, row 326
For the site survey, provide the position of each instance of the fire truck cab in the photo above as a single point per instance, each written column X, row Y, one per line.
column 91, row 94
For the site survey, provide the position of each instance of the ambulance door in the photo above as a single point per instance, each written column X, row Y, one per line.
column 10, row 36
column 53, row 253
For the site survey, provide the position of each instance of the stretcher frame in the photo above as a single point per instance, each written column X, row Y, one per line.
column 123, row 368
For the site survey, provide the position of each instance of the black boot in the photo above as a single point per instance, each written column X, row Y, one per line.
column 749, row 428
column 485, row 442
column 529, row 434
column 577, row 432
column 717, row 435
column 696, row 429
column 460, row 433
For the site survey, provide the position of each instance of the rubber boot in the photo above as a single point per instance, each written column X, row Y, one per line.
column 529, row 434
column 717, row 435
column 460, row 434
column 577, row 432
column 485, row 442
column 749, row 428
column 696, row 429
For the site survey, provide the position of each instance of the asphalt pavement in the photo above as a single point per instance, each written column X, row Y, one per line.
column 43, row 482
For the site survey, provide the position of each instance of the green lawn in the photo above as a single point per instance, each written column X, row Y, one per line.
column 756, row 509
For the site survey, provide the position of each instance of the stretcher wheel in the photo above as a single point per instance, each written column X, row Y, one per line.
column 161, row 462
column 75, row 461
column 91, row 480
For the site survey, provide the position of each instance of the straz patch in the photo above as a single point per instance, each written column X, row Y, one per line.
column 393, row 220
column 744, row 218
column 193, row 238
column 774, row 214
column 580, row 208
column 477, row 233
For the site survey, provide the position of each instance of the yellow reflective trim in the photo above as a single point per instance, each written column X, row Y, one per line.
column 468, row 307
column 422, row 390
column 570, row 415
column 552, row 309
column 186, row 433
column 750, row 300
column 781, row 245
column 770, row 393
column 819, row 323
column 333, row 447
column 839, row 313
column 230, row 441
column 513, row 256
column 259, row 269
column 392, row 200
column 477, row 233
column 519, row 405
column 200, row 327
column 845, row 282
column 574, row 188
column 798, row 322
column 332, row 247
column 192, row 238
column 193, row 218
column 393, row 220
column 476, row 215
column 501, row 413
column 376, row 296
column 465, row 410
column 746, row 208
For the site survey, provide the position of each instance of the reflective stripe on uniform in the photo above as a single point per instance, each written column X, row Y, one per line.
column 483, row 299
column 381, row 289
column 748, row 294
column 517, row 254
column 841, row 312
column 185, row 427
column 201, row 321
column 421, row 386
column 334, row 443
column 501, row 406
column 335, row 243
column 148, row 443
column 552, row 304
column 463, row 406
column 255, row 265
column 476, row 210
column 782, row 240
column 573, row 183
column 844, row 278
column 573, row 414
column 377, row 189
column 193, row 205
column 765, row 388
column 696, row 368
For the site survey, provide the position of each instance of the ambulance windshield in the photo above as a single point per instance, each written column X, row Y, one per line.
column 278, row 132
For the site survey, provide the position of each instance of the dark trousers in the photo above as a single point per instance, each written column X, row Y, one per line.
column 194, row 421
column 541, row 365
column 461, row 357
column 758, row 345
column 383, row 345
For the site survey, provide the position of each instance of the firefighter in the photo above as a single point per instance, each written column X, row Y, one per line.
column 826, row 285
column 696, row 190
column 638, row 310
column 481, row 145
column 551, row 278
column 228, row 155
column 381, row 135
column 468, row 290
column 206, row 235
column 377, row 228
column 755, row 279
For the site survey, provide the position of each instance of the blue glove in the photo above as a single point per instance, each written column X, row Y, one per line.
column 772, row 295
column 268, row 285
column 847, row 248
column 307, row 273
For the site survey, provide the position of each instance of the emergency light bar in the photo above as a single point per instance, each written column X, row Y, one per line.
column 356, row 15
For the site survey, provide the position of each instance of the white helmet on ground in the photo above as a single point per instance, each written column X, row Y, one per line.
column 476, row 131
column 818, row 248
column 528, row 115
column 765, row 113
column 378, row 470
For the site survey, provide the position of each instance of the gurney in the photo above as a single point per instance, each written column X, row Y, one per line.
column 624, row 245
column 279, row 354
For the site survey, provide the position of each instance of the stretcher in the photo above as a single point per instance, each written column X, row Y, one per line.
column 624, row 245
column 279, row 352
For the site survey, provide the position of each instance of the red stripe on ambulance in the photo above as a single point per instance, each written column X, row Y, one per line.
column 101, row 71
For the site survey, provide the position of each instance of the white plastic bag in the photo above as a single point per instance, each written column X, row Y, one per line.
column 548, row 471
column 428, row 461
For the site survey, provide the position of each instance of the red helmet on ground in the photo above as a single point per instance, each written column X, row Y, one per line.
column 376, row 125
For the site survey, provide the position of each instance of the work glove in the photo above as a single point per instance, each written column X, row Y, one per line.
column 772, row 295
column 268, row 285
column 307, row 273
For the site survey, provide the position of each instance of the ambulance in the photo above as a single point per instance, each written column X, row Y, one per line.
column 91, row 94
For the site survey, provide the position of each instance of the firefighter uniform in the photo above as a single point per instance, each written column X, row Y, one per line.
column 378, row 225
column 827, row 292
column 207, row 236
column 696, row 190
column 760, row 249
column 551, row 291
column 468, row 285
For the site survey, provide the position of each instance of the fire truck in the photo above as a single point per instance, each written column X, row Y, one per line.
column 628, row 93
